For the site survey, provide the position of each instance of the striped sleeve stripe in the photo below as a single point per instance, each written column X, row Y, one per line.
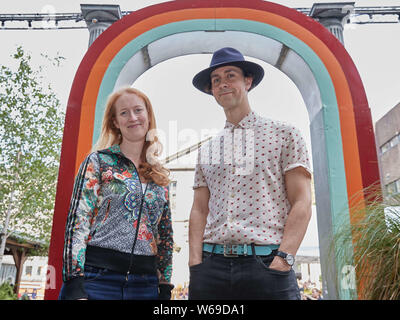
column 72, row 216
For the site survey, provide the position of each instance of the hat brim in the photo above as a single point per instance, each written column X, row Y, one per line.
column 202, row 80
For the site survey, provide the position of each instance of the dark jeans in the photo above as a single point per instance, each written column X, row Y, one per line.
column 244, row 278
column 103, row 284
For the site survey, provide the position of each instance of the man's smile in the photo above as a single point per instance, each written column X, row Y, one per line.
column 225, row 93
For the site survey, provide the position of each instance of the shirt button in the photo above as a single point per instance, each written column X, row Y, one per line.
column 232, row 195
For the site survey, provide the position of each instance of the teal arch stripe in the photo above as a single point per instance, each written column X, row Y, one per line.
column 333, row 139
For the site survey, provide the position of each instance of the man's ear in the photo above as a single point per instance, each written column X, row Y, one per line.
column 248, row 82
column 207, row 88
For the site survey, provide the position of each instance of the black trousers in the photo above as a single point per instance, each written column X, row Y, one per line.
column 241, row 278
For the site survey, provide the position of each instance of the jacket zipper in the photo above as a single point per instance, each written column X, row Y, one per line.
column 138, row 221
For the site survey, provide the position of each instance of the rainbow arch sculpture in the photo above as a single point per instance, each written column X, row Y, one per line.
column 343, row 143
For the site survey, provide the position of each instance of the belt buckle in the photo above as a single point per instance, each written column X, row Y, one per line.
column 230, row 250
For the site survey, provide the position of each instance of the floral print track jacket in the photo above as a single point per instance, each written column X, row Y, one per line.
column 104, row 212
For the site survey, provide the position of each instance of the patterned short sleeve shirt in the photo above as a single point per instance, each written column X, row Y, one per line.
column 243, row 168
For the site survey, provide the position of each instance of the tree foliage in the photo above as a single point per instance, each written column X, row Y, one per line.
column 7, row 291
column 372, row 245
column 31, row 126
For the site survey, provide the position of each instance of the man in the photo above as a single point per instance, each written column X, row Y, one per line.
column 252, row 195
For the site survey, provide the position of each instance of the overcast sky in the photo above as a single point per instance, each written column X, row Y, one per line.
column 374, row 49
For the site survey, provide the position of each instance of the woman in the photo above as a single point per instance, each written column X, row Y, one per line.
column 118, row 239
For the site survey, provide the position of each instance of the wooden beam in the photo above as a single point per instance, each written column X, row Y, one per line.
column 15, row 244
column 19, row 256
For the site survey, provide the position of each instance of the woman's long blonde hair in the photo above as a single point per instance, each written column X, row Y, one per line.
column 150, row 168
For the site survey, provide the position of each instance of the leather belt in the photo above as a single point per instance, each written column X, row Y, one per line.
column 235, row 250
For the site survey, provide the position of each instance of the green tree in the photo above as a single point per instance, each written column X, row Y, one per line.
column 7, row 291
column 31, row 126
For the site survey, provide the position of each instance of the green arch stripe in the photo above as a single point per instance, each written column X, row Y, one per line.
column 333, row 139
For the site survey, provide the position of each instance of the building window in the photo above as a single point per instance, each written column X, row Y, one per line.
column 393, row 187
column 394, row 141
column 39, row 271
column 390, row 144
column 172, row 198
column 385, row 147
column 28, row 271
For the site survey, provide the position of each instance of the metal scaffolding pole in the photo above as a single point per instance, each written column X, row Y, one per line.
column 57, row 21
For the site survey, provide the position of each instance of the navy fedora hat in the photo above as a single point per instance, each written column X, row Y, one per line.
column 226, row 57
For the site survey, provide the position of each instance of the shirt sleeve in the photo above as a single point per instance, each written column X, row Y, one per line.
column 81, row 211
column 294, row 153
column 199, row 178
column 165, row 244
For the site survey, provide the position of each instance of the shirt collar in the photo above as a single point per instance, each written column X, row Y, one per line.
column 115, row 149
column 248, row 122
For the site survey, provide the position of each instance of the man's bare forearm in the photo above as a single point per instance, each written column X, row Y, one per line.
column 298, row 185
column 296, row 227
column 197, row 224
column 299, row 194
